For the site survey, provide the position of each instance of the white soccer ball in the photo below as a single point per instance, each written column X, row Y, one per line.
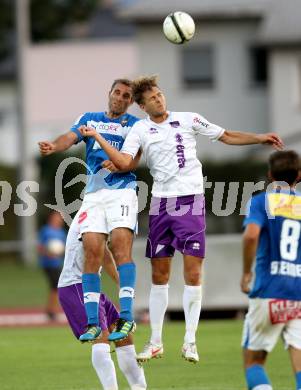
column 178, row 27
column 56, row 247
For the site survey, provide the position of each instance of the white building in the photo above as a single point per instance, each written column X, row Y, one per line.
column 242, row 70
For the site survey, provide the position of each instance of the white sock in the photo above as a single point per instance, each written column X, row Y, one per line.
column 192, row 301
column 126, row 357
column 263, row 387
column 158, row 301
column 104, row 366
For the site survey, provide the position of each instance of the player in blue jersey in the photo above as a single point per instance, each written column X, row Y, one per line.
column 272, row 236
column 109, row 207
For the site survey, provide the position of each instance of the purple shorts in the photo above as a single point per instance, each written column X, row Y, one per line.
column 72, row 302
column 177, row 223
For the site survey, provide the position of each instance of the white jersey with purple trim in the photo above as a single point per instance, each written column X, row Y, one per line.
column 169, row 148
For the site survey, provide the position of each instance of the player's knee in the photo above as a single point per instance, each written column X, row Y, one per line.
column 92, row 260
column 121, row 255
column 160, row 277
column 193, row 278
column 252, row 358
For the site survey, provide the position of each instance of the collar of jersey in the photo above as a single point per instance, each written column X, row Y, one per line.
column 117, row 120
column 161, row 123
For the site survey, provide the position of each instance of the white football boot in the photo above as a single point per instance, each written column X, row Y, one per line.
column 150, row 351
column 190, row 353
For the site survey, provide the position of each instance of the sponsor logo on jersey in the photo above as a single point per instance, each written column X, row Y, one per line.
column 285, row 205
column 115, row 144
column 102, row 126
column 152, row 130
column 124, row 122
column 174, row 124
column 180, row 150
column 179, row 138
column 200, row 122
column 282, row 310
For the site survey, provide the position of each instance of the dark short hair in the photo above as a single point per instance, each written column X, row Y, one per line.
column 124, row 81
column 285, row 166
column 143, row 84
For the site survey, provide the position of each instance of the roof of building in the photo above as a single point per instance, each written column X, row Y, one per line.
column 157, row 9
column 281, row 20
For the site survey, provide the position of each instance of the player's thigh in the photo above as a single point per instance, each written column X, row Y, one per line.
column 72, row 302
column 295, row 355
column 121, row 244
column 159, row 230
column 121, row 209
column 189, row 228
column 259, row 333
column 91, row 218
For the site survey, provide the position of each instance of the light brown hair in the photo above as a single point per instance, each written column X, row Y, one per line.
column 143, row 84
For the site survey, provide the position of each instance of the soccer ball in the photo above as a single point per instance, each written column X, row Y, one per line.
column 178, row 27
column 56, row 247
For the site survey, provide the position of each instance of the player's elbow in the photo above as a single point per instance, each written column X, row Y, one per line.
column 250, row 239
column 122, row 165
column 226, row 138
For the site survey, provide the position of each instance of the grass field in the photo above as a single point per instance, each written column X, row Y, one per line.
column 50, row 358
column 22, row 286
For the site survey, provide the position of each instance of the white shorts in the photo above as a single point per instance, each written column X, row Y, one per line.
column 267, row 320
column 106, row 210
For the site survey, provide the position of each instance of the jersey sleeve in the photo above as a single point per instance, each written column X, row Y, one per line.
column 80, row 121
column 132, row 142
column 129, row 127
column 256, row 212
column 201, row 126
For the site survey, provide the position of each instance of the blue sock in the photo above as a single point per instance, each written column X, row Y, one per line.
column 298, row 380
column 255, row 376
column 127, row 280
column 91, row 290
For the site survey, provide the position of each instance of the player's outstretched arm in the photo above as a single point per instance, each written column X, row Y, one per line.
column 250, row 242
column 62, row 143
column 241, row 138
column 122, row 161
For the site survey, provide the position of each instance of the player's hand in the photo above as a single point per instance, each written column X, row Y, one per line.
column 245, row 282
column 87, row 131
column 271, row 139
column 46, row 148
column 107, row 164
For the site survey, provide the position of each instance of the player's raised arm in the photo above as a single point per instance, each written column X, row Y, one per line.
column 241, row 138
column 62, row 143
column 122, row 161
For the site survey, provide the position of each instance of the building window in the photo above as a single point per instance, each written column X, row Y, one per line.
column 198, row 67
column 258, row 66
